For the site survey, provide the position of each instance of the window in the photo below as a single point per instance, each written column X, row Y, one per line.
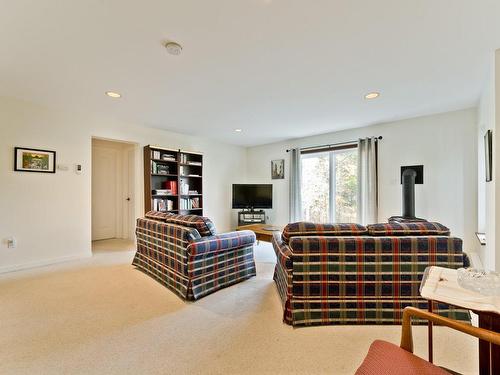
column 330, row 185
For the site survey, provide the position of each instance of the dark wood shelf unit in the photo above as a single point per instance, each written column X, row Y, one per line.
column 173, row 171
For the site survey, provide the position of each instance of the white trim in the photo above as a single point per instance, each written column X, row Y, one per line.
column 475, row 260
column 42, row 263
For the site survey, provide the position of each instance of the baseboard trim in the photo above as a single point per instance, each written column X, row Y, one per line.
column 43, row 263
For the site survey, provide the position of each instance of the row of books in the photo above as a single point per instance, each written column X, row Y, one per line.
column 189, row 203
column 158, row 168
column 184, row 160
column 162, row 192
column 155, row 154
column 163, row 205
column 170, row 186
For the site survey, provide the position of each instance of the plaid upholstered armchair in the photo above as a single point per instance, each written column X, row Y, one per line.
column 184, row 253
column 351, row 274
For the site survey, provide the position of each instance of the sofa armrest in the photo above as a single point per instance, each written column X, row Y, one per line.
column 222, row 242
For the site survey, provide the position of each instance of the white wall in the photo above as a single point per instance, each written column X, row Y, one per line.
column 488, row 198
column 486, row 190
column 444, row 143
column 49, row 214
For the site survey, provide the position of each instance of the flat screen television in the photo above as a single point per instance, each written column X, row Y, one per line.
column 252, row 196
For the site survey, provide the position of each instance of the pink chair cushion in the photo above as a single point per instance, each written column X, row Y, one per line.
column 385, row 358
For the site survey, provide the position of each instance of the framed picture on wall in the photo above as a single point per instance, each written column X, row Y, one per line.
column 488, row 155
column 34, row 160
column 278, row 169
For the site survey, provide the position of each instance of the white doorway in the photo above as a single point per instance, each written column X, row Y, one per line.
column 113, row 171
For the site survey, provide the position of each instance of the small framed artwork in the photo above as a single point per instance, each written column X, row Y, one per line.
column 34, row 160
column 488, row 154
column 278, row 169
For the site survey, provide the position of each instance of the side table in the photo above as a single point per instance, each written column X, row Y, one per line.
column 440, row 284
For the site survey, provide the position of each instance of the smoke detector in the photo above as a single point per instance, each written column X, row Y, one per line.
column 173, row 48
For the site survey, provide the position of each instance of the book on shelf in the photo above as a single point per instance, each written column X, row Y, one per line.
column 156, row 154
column 161, row 192
column 163, row 205
column 170, row 185
column 195, row 163
column 189, row 203
column 158, row 168
column 168, row 157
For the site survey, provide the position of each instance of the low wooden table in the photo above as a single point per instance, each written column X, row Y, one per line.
column 263, row 232
column 440, row 284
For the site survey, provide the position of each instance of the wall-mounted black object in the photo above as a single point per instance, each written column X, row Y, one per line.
column 488, row 154
column 419, row 169
column 409, row 175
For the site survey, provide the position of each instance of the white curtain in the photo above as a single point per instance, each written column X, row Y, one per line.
column 295, row 190
column 367, row 181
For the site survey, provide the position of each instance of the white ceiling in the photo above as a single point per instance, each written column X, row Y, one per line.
column 278, row 69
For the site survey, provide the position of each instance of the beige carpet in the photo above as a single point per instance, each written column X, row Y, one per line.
column 101, row 316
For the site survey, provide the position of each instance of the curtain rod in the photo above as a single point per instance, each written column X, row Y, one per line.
column 330, row 145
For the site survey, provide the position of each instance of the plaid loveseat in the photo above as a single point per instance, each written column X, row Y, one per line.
column 184, row 253
column 351, row 274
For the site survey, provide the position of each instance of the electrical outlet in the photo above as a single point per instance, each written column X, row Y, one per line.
column 11, row 242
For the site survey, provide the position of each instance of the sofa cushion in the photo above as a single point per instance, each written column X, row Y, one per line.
column 408, row 229
column 203, row 224
column 303, row 228
column 157, row 215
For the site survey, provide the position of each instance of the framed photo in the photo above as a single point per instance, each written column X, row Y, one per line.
column 34, row 160
column 488, row 154
column 278, row 169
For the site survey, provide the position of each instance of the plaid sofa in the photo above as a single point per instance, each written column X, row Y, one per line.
column 349, row 274
column 171, row 249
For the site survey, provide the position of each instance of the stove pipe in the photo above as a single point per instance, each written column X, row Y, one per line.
column 409, row 193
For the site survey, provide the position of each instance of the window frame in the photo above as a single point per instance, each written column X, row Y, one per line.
column 332, row 176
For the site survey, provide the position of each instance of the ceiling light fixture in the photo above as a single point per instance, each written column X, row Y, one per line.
column 113, row 94
column 372, row 95
column 173, row 48
column 238, row 130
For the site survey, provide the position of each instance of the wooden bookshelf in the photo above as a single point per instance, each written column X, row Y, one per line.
column 173, row 180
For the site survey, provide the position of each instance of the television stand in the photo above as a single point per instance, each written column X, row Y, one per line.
column 247, row 217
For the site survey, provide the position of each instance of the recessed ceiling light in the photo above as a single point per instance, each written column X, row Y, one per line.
column 113, row 94
column 238, row 130
column 372, row 95
column 173, row 48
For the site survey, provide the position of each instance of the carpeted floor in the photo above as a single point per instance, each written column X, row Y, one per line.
column 101, row 316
